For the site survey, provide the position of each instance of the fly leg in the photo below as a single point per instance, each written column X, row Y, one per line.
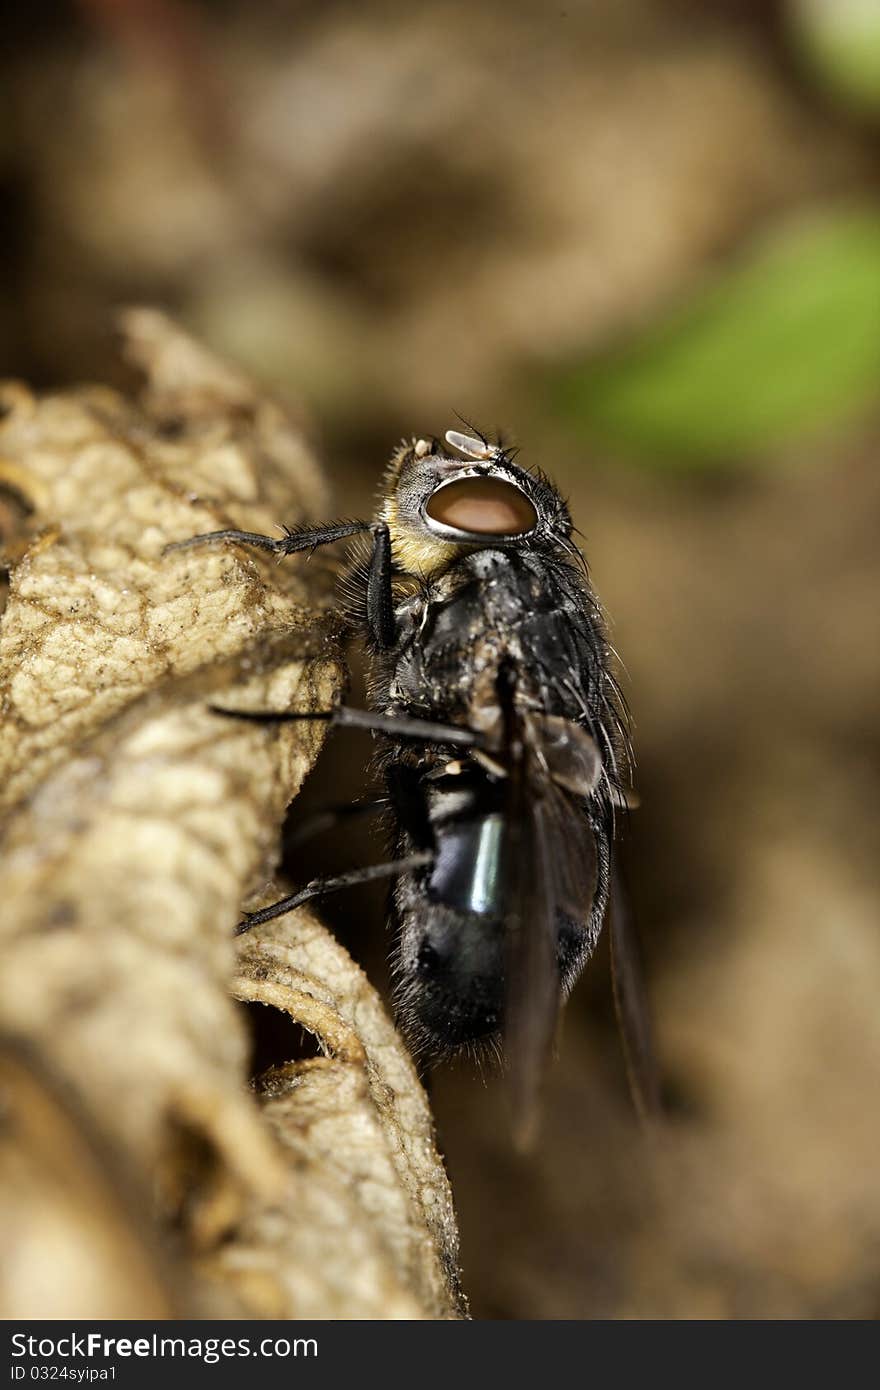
column 380, row 598
column 406, row 794
column 399, row 725
column 404, row 790
column 407, row 797
column 409, row 803
column 320, row 887
column 295, row 538
column 331, row 816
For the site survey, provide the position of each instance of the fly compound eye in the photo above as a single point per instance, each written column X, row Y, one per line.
column 481, row 507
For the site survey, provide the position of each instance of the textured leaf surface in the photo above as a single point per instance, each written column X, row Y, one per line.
column 134, row 823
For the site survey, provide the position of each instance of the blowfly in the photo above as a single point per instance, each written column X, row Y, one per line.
column 503, row 748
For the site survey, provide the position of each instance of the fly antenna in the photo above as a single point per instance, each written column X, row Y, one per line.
column 472, row 447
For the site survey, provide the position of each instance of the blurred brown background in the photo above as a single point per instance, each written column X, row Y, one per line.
column 643, row 237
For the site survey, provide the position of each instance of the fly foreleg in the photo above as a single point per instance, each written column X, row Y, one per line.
column 295, row 538
column 380, row 598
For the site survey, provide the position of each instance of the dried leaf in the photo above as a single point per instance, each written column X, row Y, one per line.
column 134, row 822
column 355, row 1123
column 70, row 1221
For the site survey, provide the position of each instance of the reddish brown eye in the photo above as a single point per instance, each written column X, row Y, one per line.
column 484, row 506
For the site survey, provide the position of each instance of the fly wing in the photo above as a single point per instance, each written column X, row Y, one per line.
column 533, row 993
column 552, row 872
column 568, row 752
column 631, row 1005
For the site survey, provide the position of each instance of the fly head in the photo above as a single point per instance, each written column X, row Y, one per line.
column 441, row 502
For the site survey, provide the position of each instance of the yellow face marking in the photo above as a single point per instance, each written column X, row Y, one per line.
column 415, row 550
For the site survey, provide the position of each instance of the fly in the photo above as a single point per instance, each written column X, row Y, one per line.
column 503, row 748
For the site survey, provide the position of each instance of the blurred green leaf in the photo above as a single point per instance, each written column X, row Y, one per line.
column 840, row 42
column 785, row 342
